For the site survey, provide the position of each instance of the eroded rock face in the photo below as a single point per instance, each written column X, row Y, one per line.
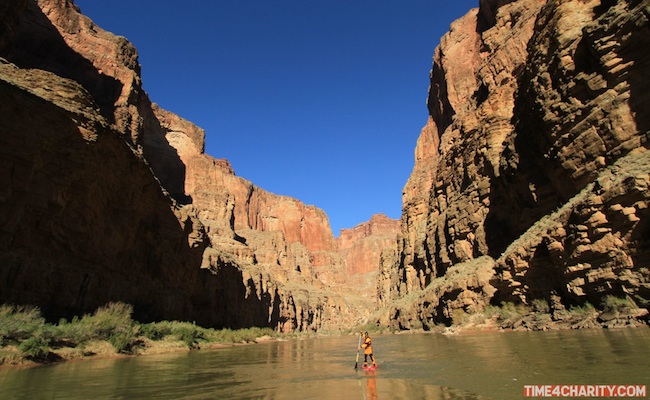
column 366, row 250
column 471, row 102
column 596, row 244
column 52, row 35
column 362, row 245
column 532, row 102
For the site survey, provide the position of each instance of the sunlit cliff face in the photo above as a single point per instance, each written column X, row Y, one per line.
column 534, row 109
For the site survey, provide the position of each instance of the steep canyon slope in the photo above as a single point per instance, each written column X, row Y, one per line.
column 107, row 197
column 531, row 179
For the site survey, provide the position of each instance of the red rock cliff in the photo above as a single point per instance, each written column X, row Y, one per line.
column 535, row 106
column 362, row 245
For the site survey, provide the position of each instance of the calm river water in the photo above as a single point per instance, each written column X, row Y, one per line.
column 419, row 366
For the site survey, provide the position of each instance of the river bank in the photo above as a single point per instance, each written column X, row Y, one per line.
column 27, row 340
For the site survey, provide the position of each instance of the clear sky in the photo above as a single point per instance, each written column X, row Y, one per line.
column 318, row 100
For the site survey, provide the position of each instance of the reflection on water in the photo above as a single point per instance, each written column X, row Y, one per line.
column 422, row 366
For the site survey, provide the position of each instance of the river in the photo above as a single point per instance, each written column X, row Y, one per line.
column 411, row 366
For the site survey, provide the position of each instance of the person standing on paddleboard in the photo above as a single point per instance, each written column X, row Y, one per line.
column 367, row 346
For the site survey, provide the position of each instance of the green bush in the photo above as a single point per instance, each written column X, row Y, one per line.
column 109, row 320
column 186, row 332
column 156, row 330
column 491, row 311
column 24, row 333
column 189, row 334
column 112, row 323
column 18, row 323
column 459, row 316
column 582, row 312
column 510, row 311
column 123, row 342
column 245, row 335
column 507, row 314
column 540, row 305
column 613, row 303
column 73, row 332
column 35, row 348
column 9, row 356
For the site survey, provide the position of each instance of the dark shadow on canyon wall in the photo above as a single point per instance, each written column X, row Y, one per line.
column 30, row 40
column 238, row 304
column 84, row 222
column 36, row 43
column 163, row 158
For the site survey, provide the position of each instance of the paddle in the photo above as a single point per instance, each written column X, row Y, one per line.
column 356, row 363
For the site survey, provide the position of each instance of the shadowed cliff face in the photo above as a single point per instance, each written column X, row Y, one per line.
column 84, row 222
column 32, row 41
column 536, row 107
column 82, row 214
column 77, row 233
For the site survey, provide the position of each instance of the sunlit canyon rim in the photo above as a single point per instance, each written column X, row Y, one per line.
column 531, row 182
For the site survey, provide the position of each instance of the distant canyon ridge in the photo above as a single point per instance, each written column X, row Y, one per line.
column 531, row 183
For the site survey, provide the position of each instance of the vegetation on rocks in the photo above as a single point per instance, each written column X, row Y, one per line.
column 612, row 312
column 25, row 336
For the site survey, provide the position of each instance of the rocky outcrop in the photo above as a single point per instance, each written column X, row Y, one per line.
column 535, row 106
column 471, row 102
column 464, row 288
column 364, row 250
column 111, row 198
column 577, row 112
column 53, row 35
column 361, row 246
column 595, row 244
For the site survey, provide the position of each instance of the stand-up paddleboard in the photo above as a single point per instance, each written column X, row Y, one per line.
column 369, row 367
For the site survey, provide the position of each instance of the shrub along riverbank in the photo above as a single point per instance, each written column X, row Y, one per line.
column 26, row 338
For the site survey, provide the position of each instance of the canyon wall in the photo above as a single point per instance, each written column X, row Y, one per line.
column 363, row 249
column 108, row 197
column 531, row 175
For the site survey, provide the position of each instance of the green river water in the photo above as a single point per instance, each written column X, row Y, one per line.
column 417, row 366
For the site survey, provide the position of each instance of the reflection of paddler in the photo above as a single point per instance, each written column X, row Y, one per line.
column 367, row 346
column 371, row 388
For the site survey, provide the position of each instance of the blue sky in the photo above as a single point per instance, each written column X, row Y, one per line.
column 318, row 100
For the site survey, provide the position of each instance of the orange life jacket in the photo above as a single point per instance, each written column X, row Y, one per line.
column 367, row 345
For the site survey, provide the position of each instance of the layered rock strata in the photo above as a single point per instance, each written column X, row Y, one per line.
column 363, row 250
column 534, row 106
